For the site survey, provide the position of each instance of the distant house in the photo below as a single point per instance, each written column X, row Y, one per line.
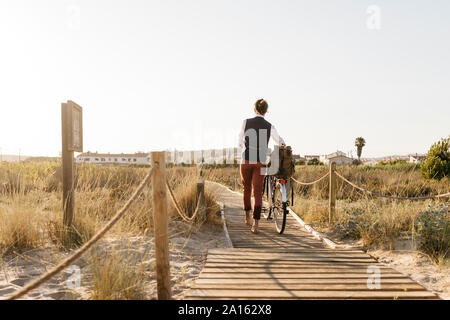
column 338, row 157
column 393, row 158
column 417, row 158
column 110, row 158
column 297, row 158
column 210, row 156
column 369, row 162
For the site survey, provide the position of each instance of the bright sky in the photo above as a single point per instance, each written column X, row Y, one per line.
column 153, row 75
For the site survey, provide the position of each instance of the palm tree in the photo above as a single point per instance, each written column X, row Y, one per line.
column 359, row 144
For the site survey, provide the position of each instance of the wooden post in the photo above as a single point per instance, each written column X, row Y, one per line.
column 67, row 167
column 332, row 195
column 235, row 182
column 201, row 195
column 161, row 225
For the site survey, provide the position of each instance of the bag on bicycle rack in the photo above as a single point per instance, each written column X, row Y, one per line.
column 286, row 164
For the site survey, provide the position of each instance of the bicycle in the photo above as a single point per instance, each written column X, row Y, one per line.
column 276, row 192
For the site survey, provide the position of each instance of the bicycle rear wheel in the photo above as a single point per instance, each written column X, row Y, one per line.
column 279, row 210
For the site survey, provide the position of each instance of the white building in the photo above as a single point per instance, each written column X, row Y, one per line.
column 417, row 158
column 337, row 157
column 109, row 158
column 210, row 156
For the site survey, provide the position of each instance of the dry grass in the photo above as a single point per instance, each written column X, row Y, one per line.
column 117, row 275
column 83, row 228
column 30, row 203
column 225, row 176
column 20, row 228
column 377, row 222
column 186, row 194
column 405, row 181
column 31, row 216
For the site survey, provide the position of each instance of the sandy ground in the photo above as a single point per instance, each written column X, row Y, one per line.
column 405, row 259
column 188, row 250
column 419, row 268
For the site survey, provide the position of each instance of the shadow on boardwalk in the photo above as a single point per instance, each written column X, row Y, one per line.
column 294, row 265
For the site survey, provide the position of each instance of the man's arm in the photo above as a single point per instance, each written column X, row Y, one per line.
column 276, row 137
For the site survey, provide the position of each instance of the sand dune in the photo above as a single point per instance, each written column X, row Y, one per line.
column 187, row 255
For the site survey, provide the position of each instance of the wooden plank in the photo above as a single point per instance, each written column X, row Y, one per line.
column 269, row 294
column 276, row 250
column 288, row 267
column 263, row 246
column 279, row 262
column 238, row 230
column 246, row 233
column 267, row 236
column 266, row 245
column 297, row 241
column 268, row 229
column 244, row 282
column 296, row 298
column 293, row 276
column 274, row 243
column 276, row 270
column 294, row 258
column 296, row 254
column 309, row 287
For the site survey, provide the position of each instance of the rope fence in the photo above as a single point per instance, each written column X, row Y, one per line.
column 158, row 167
column 180, row 212
column 376, row 194
column 159, row 194
column 76, row 255
column 310, row 183
column 333, row 174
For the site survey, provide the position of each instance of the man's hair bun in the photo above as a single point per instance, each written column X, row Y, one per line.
column 261, row 106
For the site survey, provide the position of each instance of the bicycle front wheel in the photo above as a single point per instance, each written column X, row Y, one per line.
column 279, row 210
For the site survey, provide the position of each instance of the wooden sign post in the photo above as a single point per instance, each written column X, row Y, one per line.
column 72, row 140
column 161, row 225
column 332, row 194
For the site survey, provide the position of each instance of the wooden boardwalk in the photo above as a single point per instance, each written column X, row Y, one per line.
column 294, row 265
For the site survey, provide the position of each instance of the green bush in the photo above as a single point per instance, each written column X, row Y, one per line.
column 351, row 228
column 437, row 162
column 314, row 162
column 433, row 228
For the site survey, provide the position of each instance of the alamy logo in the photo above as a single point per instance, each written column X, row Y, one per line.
column 257, row 150
column 374, row 279
column 73, row 13
column 373, row 21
